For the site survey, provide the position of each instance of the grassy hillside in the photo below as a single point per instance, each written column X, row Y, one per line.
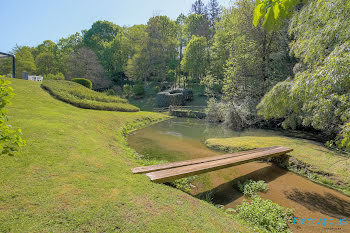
column 80, row 96
column 74, row 175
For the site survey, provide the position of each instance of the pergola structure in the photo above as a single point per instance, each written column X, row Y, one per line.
column 5, row 55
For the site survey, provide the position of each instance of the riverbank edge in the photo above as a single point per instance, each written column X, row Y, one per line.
column 298, row 167
column 146, row 122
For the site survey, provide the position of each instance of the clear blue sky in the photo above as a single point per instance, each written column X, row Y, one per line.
column 29, row 22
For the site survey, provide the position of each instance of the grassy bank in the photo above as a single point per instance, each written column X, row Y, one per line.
column 82, row 97
column 74, row 175
column 309, row 158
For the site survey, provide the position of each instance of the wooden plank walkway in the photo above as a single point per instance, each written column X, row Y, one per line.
column 171, row 171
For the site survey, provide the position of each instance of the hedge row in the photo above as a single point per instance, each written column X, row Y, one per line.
column 176, row 97
column 80, row 96
column 83, row 81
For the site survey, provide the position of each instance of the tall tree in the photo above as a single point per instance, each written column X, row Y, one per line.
column 199, row 8
column 67, row 46
column 158, row 54
column 195, row 58
column 46, row 63
column 196, row 25
column 319, row 95
column 214, row 12
column 115, row 57
column 247, row 60
column 24, row 60
column 181, row 38
column 5, row 66
column 84, row 64
column 101, row 32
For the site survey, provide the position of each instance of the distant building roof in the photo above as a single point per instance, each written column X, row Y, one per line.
column 4, row 55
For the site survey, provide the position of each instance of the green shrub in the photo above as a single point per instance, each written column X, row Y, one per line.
column 127, row 90
column 156, row 89
column 138, row 89
column 83, row 81
column 250, row 188
column 10, row 139
column 265, row 214
column 58, row 76
column 83, row 97
column 110, row 92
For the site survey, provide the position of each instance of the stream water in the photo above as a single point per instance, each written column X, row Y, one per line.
column 181, row 138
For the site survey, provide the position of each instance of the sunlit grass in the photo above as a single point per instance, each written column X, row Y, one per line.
column 82, row 97
column 74, row 175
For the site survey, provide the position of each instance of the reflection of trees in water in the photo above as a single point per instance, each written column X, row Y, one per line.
column 327, row 204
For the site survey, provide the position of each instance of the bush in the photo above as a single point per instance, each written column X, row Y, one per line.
column 10, row 139
column 265, row 214
column 82, row 97
column 232, row 115
column 215, row 111
column 250, row 188
column 138, row 89
column 236, row 117
column 156, row 89
column 83, row 81
column 58, row 76
column 110, row 92
column 127, row 90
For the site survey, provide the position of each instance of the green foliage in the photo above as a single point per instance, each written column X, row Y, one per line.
column 115, row 57
column 24, row 61
column 273, row 12
column 58, row 76
column 83, row 97
column 319, row 96
column 156, row 89
column 101, row 32
column 195, row 59
column 127, row 90
column 228, row 112
column 196, row 25
column 215, row 111
column 183, row 184
column 83, row 81
column 138, row 89
column 246, row 61
column 156, row 54
column 10, row 138
column 110, row 92
column 265, row 214
column 250, row 188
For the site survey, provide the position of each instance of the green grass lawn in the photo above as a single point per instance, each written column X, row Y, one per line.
column 320, row 159
column 74, row 175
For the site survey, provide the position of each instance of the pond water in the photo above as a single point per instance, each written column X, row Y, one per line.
column 180, row 138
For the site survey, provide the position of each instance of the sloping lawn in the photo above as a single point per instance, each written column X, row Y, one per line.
column 74, row 175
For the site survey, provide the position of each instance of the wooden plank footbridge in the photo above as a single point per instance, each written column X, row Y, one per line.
column 171, row 171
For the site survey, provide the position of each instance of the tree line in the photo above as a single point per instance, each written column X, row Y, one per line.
column 282, row 60
column 109, row 54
